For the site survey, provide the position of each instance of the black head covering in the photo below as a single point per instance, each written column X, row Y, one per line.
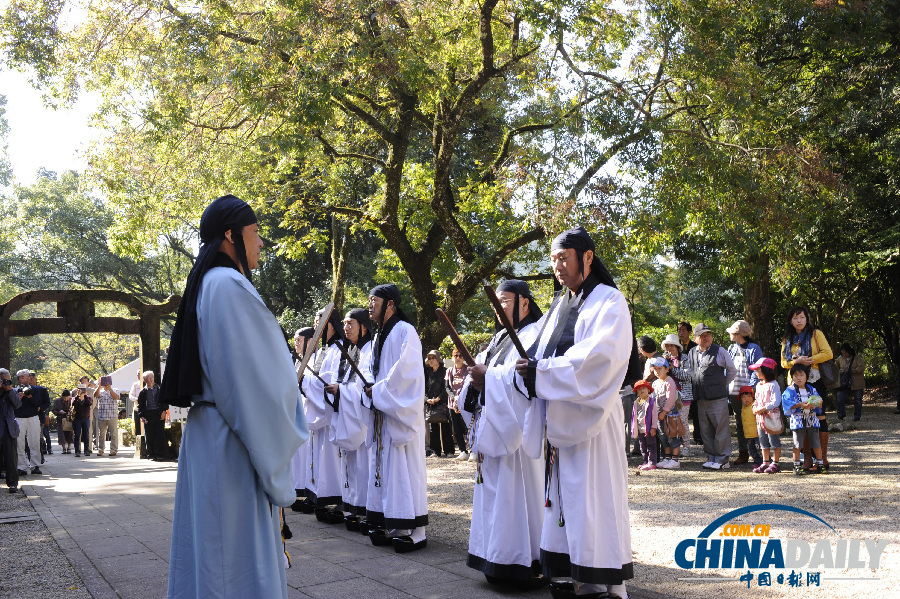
column 579, row 240
column 307, row 332
column 335, row 320
column 361, row 315
column 521, row 289
column 182, row 377
column 389, row 291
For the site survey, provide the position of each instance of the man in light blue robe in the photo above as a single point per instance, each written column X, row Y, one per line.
column 228, row 360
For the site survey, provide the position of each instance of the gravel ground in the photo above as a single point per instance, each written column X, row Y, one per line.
column 32, row 566
column 860, row 498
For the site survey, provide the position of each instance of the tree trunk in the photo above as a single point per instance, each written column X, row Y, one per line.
column 340, row 250
column 758, row 309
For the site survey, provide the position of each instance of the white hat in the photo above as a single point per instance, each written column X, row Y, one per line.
column 672, row 339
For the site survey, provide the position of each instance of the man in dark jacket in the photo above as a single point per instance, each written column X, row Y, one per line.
column 9, row 429
column 152, row 412
column 29, row 424
column 44, row 404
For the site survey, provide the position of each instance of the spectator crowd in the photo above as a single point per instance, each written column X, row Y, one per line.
column 86, row 418
column 694, row 387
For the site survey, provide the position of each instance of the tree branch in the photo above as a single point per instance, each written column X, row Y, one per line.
column 560, row 47
column 350, row 108
column 601, row 160
column 332, row 153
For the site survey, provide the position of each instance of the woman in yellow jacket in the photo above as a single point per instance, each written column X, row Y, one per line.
column 806, row 345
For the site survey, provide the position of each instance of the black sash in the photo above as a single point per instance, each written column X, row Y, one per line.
column 383, row 333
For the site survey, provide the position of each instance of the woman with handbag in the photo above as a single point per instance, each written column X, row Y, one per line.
column 852, row 368
column 804, row 344
column 62, row 407
column 437, row 410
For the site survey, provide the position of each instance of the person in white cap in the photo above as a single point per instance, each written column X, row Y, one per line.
column 744, row 352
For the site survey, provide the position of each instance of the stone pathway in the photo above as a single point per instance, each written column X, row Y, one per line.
column 112, row 518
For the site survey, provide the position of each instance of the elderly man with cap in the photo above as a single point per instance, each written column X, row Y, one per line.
column 300, row 461
column 712, row 370
column 323, row 476
column 397, row 498
column 348, row 426
column 744, row 353
column 508, row 504
column 234, row 468
column 580, row 357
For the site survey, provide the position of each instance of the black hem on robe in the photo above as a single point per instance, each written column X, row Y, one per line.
column 505, row 571
column 354, row 510
column 378, row 520
column 558, row 565
column 333, row 500
column 323, row 501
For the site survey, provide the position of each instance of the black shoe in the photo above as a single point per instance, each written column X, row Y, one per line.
column 566, row 590
column 22, row 473
column 379, row 537
column 334, row 516
column 321, row 514
column 13, row 489
column 77, row 455
column 87, row 453
column 296, row 506
column 429, row 453
column 364, row 527
column 36, row 470
column 562, row 589
column 307, row 507
column 352, row 522
column 407, row 545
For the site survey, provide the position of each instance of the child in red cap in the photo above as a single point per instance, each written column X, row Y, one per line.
column 645, row 422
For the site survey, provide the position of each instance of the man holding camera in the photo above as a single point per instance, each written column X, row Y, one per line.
column 29, row 423
column 9, row 429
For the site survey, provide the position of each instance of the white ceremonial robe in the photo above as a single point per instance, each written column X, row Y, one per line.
column 586, row 533
column 508, row 502
column 234, row 468
column 300, row 461
column 323, row 474
column 348, row 432
column 397, row 497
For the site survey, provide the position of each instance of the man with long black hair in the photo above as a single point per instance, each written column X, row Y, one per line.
column 349, row 424
column 578, row 363
column 397, row 498
column 234, row 467
column 323, row 488
column 508, row 502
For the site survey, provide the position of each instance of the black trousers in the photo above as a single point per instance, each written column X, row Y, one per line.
column 694, row 415
column 155, row 431
column 442, row 432
column 459, row 429
column 8, row 452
